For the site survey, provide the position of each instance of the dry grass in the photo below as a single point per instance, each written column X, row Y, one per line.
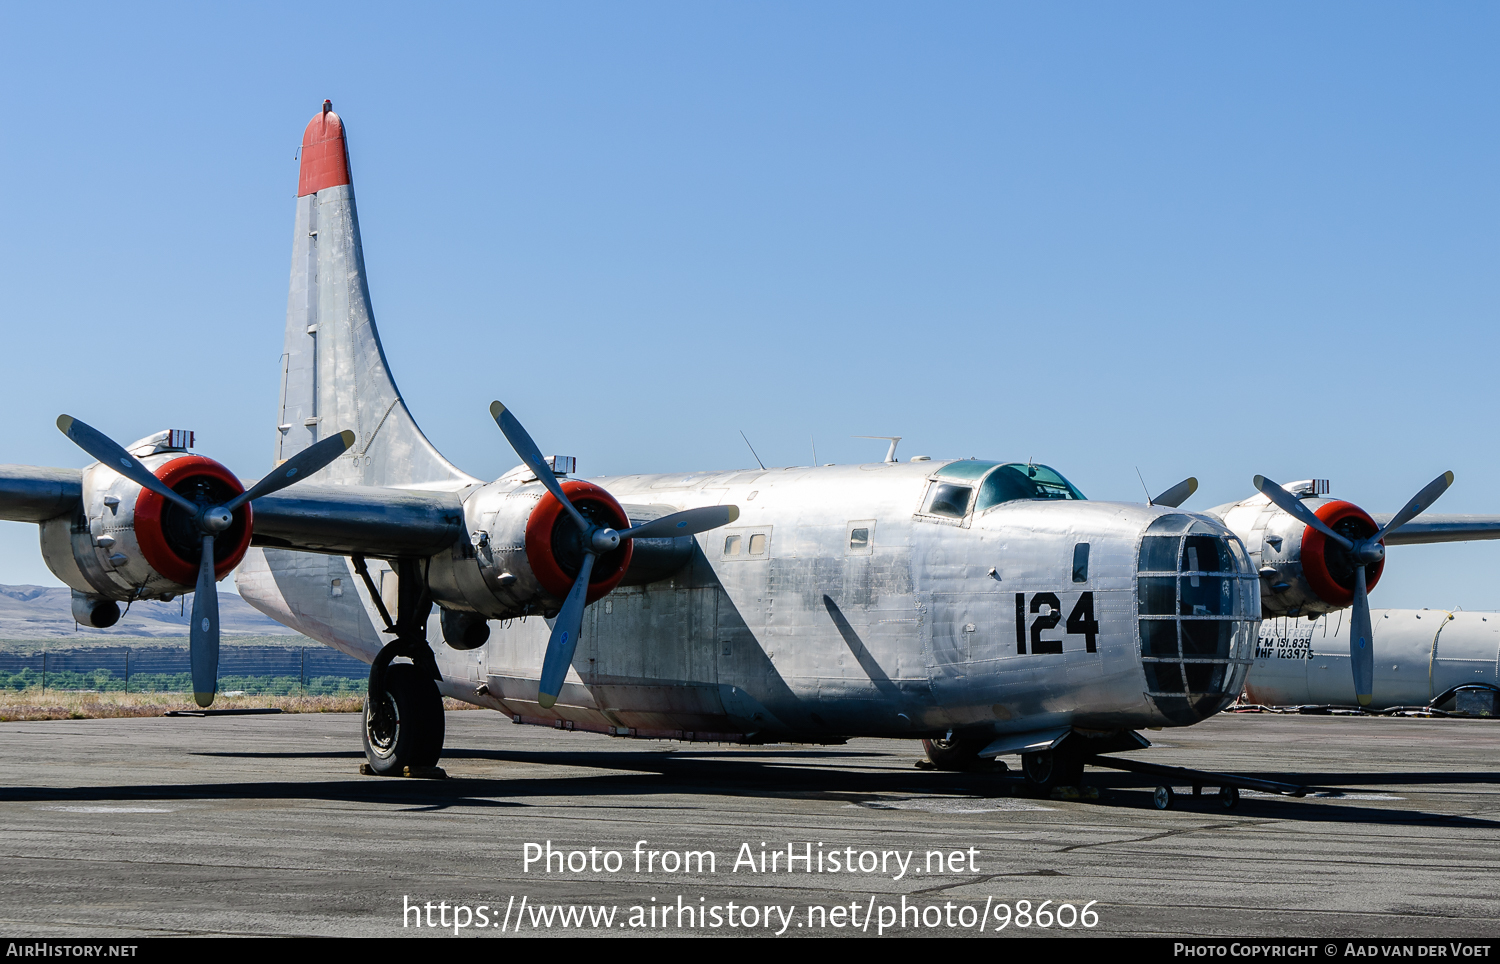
column 31, row 705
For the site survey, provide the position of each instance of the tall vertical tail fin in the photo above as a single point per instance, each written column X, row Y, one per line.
column 334, row 374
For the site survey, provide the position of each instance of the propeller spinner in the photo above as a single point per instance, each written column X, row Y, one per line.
column 597, row 540
column 210, row 520
column 1365, row 552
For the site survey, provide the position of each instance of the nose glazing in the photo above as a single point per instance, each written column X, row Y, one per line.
column 1198, row 605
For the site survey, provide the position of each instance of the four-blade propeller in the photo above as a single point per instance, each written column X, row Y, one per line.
column 597, row 540
column 210, row 521
column 1366, row 552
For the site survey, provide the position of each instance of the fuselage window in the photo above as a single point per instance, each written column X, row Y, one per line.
column 758, row 544
column 859, row 538
column 732, row 546
column 1081, row 562
column 949, row 500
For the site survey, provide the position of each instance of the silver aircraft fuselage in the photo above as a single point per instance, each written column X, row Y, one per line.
column 840, row 604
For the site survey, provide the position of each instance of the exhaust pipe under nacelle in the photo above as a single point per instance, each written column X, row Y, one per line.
column 464, row 631
column 95, row 611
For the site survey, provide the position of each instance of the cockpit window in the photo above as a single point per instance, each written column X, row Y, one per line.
column 965, row 470
column 948, row 500
column 1018, row 480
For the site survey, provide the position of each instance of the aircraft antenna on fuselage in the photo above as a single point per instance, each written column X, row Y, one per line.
column 1143, row 485
column 752, row 450
column 890, row 453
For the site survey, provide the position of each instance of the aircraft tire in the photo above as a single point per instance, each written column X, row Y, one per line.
column 1052, row 768
column 409, row 731
column 959, row 753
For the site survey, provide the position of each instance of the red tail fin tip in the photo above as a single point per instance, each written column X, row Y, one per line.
column 325, row 155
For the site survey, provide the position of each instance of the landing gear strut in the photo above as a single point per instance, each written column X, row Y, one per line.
column 403, row 718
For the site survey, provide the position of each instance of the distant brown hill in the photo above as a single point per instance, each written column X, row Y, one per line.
column 32, row 612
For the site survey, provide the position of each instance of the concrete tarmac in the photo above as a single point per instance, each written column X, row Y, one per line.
column 263, row 825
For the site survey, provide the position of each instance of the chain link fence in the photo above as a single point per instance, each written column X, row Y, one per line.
column 271, row 670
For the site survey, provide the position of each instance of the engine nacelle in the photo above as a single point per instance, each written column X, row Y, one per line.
column 1303, row 572
column 523, row 553
column 124, row 542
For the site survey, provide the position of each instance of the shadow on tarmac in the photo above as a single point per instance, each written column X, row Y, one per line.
column 844, row 776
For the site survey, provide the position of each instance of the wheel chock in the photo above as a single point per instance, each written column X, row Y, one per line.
column 420, row 773
column 1075, row 793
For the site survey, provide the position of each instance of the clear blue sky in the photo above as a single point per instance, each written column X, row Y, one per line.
column 1206, row 239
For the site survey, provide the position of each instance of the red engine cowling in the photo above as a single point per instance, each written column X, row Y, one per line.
column 170, row 541
column 554, row 546
column 1329, row 567
column 524, row 551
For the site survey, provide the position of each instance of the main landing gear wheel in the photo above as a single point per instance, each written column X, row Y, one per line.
column 1052, row 768
column 1162, row 798
column 959, row 753
column 405, row 729
column 1229, row 797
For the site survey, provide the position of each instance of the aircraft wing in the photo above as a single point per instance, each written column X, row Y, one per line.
column 1441, row 528
column 357, row 519
column 337, row 519
column 30, row 493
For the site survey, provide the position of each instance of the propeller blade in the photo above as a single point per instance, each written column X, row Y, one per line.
column 565, row 636
column 299, row 466
column 109, row 452
column 1362, row 641
column 1293, row 506
column 1419, row 502
column 532, row 456
column 204, row 638
column 688, row 522
column 1177, row 494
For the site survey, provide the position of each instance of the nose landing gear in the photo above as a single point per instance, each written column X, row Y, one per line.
column 1048, row 769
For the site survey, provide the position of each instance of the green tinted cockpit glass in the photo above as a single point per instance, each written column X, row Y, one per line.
column 1019, row 480
column 967, row 470
column 1172, row 522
